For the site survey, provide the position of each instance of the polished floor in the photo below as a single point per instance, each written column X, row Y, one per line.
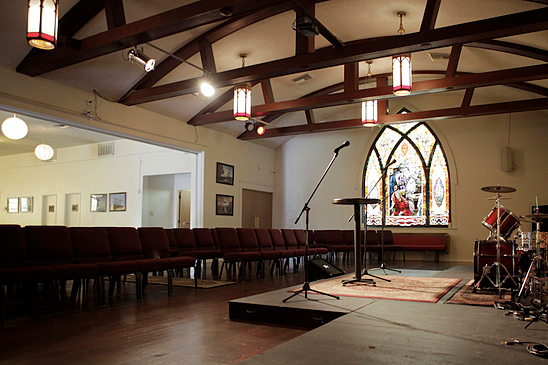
column 193, row 327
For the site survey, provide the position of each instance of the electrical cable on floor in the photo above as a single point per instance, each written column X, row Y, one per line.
column 534, row 348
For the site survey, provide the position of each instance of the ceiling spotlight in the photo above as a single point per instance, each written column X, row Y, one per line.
column 14, row 128
column 42, row 23
column 249, row 126
column 260, row 129
column 205, row 87
column 306, row 27
column 139, row 58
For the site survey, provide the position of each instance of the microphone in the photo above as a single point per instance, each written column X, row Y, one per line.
column 347, row 143
column 391, row 163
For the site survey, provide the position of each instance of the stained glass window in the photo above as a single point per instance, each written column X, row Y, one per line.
column 407, row 170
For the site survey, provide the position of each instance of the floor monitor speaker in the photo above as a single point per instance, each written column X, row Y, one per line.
column 322, row 269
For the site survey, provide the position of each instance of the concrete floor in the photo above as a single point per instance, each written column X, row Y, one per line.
column 399, row 332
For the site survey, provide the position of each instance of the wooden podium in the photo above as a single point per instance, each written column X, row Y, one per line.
column 357, row 203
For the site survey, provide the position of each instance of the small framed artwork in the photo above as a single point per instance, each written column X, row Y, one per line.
column 13, row 205
column 74, row 207
column 26, row 204
column 224, row 205
column 51, row 208
column 98, row 203
column 225, row 174
column 117, row 202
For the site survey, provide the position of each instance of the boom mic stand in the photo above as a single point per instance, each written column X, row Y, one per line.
column 306, row 286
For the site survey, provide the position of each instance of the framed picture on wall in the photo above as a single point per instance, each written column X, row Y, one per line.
column 98, row 203
column 26, row 204
column 225, row 174
column 117, row 202
column 224, row 204
column 13, row 205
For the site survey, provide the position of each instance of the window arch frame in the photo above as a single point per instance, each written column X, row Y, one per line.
column 426, row 170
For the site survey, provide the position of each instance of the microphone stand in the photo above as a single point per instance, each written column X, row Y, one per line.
column 306, row 286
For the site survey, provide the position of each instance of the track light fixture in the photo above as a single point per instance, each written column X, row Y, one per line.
column 205, row 85
column 42, row 23
column 249, row 126
column 140, row 59
column 256, row 126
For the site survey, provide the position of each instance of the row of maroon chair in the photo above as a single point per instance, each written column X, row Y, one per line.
column 342, row 241
column 242, row 246
column 53, row 254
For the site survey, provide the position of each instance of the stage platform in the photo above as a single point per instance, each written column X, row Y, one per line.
column 361, row 330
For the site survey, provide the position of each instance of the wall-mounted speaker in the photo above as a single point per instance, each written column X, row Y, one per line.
column 506, row 159
column 321, row 269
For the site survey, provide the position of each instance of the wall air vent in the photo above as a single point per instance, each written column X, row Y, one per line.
column 105, row 149
column 303, row 79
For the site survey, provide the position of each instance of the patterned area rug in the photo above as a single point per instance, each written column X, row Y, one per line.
column 480, row 297
column 186, row 282
column 410, row 288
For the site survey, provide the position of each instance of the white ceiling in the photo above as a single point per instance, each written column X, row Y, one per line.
column 264, row 41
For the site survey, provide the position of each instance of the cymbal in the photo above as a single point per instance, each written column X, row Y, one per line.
column 498, row 189
column 535, row 217
column 497, row 198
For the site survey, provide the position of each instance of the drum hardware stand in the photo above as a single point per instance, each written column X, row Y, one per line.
column 534, row 271
column 306, row 286
column 487, row 269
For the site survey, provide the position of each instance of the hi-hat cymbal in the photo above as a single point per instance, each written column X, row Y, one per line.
column 498, row 189
column 497, row 198
column 535, row 217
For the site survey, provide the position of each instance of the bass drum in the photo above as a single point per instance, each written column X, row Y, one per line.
column 485, row 254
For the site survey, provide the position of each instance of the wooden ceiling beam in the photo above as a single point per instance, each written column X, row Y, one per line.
column 385, row 92
column 520, row 23
column 114, row 10
column 424, row 116
column 145, row 30
column 430, row 15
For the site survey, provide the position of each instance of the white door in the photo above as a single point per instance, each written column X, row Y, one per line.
column 184, row 209
column 72, row 210
column 49, row 210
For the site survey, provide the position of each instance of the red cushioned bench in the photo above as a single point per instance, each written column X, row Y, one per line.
column 435, row 242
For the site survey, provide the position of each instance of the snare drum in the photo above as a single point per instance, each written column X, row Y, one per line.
column 508, row 221
column 527, row 241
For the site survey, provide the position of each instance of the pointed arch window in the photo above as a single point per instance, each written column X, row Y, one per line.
column 416, row 187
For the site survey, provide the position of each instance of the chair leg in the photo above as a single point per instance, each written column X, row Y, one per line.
column 169, row 282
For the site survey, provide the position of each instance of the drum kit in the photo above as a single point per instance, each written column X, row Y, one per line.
column 511, row 262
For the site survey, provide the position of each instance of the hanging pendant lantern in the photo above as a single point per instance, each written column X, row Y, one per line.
column 44, row 152
column 42, row 23
column 401, row 68
column 242, row 102
column 14, row 128
column 401, row 74
column 369, row 107
column 242, row 97
column 369, row 113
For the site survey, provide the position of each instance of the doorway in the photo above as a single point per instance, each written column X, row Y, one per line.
column 184, row 209
column 256, row 209
column 72, row 210
column 49, row 210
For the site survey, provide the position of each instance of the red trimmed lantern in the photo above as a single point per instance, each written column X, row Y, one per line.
column 42, row 23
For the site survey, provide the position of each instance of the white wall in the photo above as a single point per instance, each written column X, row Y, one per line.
column 254, row 165
column 80, row 170
column 473, row 146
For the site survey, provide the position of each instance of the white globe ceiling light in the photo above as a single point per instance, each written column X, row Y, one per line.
column 207, row 89
column 14, row 128
column 44, row 152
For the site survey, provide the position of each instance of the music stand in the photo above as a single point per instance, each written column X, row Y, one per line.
column 357, row 203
